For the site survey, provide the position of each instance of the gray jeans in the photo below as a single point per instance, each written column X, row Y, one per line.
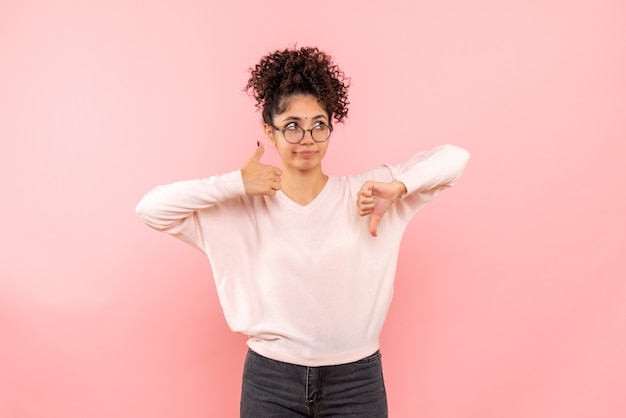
column 273, row 389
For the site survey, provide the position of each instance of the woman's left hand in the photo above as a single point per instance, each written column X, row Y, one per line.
column 375, row 198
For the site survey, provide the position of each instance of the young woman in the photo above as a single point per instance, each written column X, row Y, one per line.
column 304, row 263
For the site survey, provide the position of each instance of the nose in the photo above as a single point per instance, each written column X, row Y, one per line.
column 308, row 137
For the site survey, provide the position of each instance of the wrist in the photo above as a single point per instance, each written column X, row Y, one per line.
column 401, row 189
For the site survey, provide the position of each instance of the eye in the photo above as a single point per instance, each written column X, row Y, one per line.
column 320, row 126
column 291, row 127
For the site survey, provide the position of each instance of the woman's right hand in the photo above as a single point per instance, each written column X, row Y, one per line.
column 260, row 179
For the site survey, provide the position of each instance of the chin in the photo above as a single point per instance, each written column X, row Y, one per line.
column 307, row 167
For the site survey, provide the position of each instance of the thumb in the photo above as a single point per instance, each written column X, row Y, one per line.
column 258, row 153
column 374, row 219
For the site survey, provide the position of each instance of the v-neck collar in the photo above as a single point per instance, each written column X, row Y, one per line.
column 313, row 204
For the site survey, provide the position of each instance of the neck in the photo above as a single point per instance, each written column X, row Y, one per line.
column 303, row 186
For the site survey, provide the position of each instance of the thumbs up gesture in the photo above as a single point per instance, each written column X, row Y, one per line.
column 375, row 199
column 258, row 178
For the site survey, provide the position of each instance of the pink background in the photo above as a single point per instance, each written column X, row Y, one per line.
column 511, row 292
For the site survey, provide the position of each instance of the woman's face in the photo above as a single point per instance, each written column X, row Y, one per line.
column 302, row 111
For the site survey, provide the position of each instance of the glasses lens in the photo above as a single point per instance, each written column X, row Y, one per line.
column 294, row 134
column 320, row 133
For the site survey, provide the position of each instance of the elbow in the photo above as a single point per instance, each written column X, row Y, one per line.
column 465, row 152
column 458, row 159
column 461, row 155
column 141, row 210
column 146, row 213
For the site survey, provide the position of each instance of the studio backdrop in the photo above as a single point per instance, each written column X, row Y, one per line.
column 510, row 296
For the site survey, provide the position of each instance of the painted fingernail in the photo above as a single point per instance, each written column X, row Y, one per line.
column 257, row 143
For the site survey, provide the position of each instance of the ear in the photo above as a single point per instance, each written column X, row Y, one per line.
column 269, row 134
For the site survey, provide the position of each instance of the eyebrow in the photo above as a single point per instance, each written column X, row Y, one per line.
column 297, row 119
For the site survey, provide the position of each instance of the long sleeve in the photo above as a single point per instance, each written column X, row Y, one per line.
column 172, row 208
column 425, row 175
column 432, row 170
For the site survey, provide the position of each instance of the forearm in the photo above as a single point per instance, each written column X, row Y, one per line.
column 440, row 167
column 165, row 206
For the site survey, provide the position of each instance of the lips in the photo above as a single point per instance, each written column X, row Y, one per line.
column 306, row 154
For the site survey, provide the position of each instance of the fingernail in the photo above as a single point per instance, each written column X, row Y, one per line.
column 257, row 143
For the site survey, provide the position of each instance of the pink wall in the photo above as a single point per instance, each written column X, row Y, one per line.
column 511, row 293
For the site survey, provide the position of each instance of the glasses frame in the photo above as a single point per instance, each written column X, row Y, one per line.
column 304, row 131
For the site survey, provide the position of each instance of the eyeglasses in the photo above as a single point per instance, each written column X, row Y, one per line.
column 294, row 134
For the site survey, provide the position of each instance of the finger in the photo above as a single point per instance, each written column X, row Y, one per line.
column 367, row 189
column 364, row 211
column 258, row 153
column 365, row 207
column 364, row 204
column 274, row 176
column 364, row 195
column 365, row 201
column 375, row 219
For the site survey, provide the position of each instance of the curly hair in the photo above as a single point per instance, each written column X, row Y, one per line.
column 298, row 71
